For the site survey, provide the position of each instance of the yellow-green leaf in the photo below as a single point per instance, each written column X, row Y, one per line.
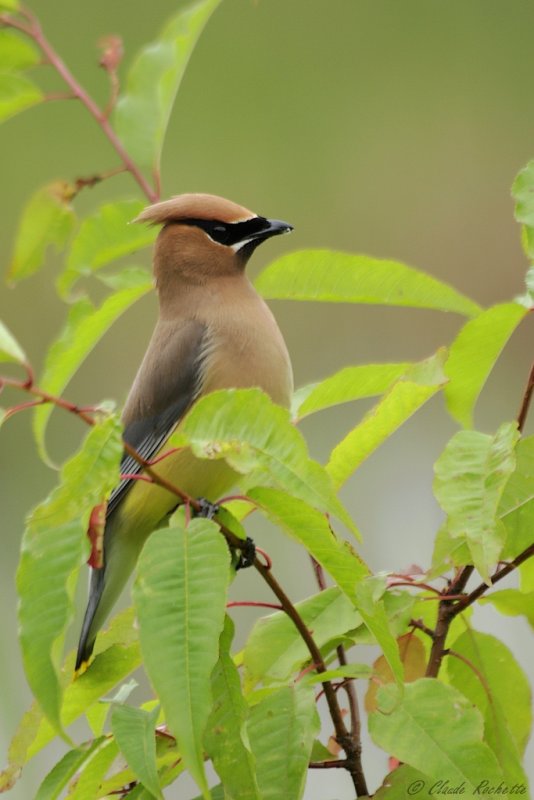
column 47, row 219
column 10, row 349
column 333, row 277
column 17, row 52
column 404, row 398
column 84, row 328
column 471, row 474
column 473, row 354
column 180, row 596
column 17, row 93
column 143, row 111
column 54, row 545
column 350, row 383
column 102, row 238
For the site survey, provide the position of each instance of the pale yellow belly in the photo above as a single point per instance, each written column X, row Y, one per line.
column 147, row 505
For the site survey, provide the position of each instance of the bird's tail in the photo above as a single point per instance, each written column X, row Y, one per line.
column 88, row 634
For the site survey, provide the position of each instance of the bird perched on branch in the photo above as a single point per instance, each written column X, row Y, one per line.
column 213, row 332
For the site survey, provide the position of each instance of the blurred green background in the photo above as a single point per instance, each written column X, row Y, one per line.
column 376, row 126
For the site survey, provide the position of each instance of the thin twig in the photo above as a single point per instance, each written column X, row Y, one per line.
column 252, row 604
column 470, row 598
column 353, row 746
column 419, row 624
column 525, row 403
column 35, row 32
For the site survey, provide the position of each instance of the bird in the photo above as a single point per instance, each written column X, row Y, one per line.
column 213, row 332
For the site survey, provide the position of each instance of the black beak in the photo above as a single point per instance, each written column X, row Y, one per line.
column 269, row 227
column 276, row 227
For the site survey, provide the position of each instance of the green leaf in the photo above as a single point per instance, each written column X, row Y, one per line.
column 403, row 782
column 414, row 659
column 53, row 547
column 135, row 733
column 473, row 355
column 18, row 748
column 89, row 783
column 102, row 238
column 224, row 739
column 127, row 278
column 351, row 383
column 169, row 767
column 180, row 596
column 143, row 111
column 11, row 5
column 104, row 673
column 281, row 729
column 410, row 726
column 516, row 507
column 523, row 194
column 334, row 277
column 10, row 349
column 512, row 603
column 73, row 761
column 494, row 682
column 470, row 476
column 526, row 575
column 275, row 649
column 492, row 677
column 319, row 752
column 47, row 219
column 16, row 51
column 256, row 437
column 217, row 793
column 404, row 398
column 84, row 328
column 17, row 93
column 310, row 528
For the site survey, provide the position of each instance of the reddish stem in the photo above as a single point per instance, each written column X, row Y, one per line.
column 35, row 32
column 253, row 604
column 268, row 562
column 413, row 585
column 22, row 407
column 163, row 456
column 135, row 476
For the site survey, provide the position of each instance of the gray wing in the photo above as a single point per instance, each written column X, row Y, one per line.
column 168, row 382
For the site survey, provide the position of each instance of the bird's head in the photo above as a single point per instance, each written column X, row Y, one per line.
column 205, row 236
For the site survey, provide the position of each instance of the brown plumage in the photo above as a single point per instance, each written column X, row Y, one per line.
column 213, row 332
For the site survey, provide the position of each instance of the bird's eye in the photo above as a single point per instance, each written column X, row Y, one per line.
column 219, row 229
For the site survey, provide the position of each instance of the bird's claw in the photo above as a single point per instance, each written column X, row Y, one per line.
column 247, row 554
column 206, row 509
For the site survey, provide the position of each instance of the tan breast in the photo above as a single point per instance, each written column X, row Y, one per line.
column 247, row 349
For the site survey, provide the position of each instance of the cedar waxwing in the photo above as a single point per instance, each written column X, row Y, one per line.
column 214, row 332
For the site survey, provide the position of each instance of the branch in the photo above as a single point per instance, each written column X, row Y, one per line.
column 470, row 598
column 35, row 32
column 352, row 745
column 525, row 403
column 445, row 617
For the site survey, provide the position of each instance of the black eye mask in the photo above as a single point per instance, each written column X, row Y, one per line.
column 229, row 233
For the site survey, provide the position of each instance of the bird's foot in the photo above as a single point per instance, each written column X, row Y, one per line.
column 206, row 510
column 247, row 554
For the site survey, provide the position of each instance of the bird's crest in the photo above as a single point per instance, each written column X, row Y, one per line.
column 194, row 206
